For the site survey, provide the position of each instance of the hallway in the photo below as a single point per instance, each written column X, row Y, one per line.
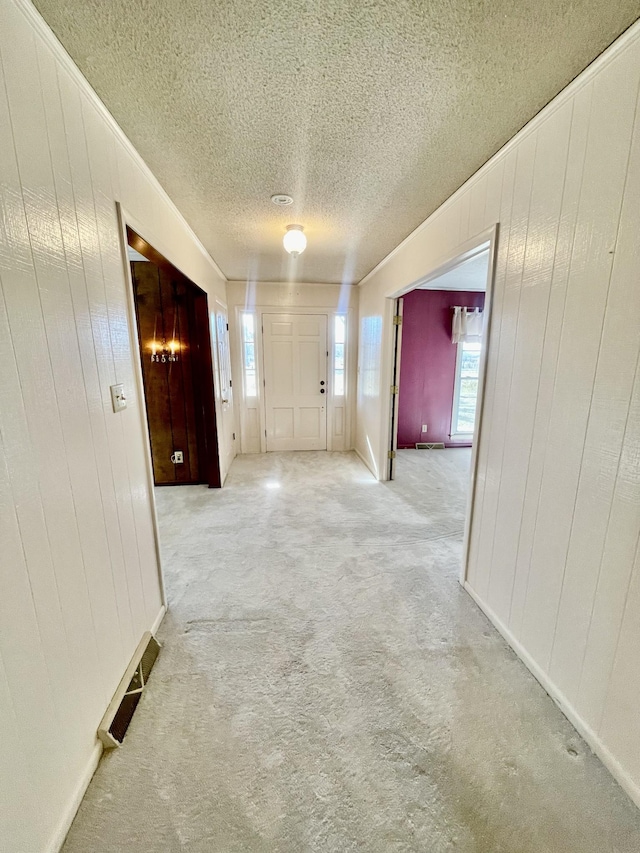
column 326, row 685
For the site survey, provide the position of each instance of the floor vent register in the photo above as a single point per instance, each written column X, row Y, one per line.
column 116, row 720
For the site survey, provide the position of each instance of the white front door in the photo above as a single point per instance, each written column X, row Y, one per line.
column 223, row 363
column 295, row 373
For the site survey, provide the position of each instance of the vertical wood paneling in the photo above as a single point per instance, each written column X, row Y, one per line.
column 111, row 309
column 127, row 578
column 12, row 755
column 620, row 556
column 620, row 726
column 555, row 532
column 493, row 195
column 91, row 578
column 105, row 534
column 535, row 286
column 492, row 214
column 165, row 309
column 606, row 159
column 30, row 411
column 517, row 192
column 581, row 110
column 75, row 415
column 80, row 569
column 477, row 206
column 464, row 210
column 608, row 417
column 617, row 555
column 511, row 291
column 34, row 706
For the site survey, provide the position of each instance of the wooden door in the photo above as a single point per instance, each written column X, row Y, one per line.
column 166, row 336
column 295, row 371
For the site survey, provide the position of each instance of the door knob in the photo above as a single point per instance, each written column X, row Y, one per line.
column 322, row 390
column 322, row 382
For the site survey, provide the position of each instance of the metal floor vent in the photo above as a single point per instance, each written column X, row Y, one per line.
column 429, row 445
column 116, row 720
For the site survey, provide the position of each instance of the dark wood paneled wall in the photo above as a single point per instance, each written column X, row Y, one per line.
column 165, row 310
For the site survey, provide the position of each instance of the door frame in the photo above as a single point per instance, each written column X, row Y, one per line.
column 202, row 364
column 124, row 220
column 398, row 306
column 205, row 392
column 218, row 307
column 487, row 239
column 236, row 342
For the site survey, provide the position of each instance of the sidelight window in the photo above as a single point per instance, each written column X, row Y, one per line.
column 249, row 355
column 339, row 342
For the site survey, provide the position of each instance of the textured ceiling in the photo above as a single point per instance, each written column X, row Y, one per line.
column 368, row 113
column 469, row 275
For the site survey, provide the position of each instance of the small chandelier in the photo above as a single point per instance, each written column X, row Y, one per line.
column 164, row 351
column 294, row 240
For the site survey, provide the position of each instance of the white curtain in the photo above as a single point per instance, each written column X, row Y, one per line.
column 467, row 325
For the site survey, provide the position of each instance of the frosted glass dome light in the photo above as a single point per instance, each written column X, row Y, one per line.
column 294, row 240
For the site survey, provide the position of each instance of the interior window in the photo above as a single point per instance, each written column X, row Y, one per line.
column 466, row 389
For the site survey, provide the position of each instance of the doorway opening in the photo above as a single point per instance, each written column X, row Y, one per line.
column 438, row 371
column 174, row 345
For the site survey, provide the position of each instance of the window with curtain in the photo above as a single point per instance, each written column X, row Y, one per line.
column 466, row 333
column 466, row 325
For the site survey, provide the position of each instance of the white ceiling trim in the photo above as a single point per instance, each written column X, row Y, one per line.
column 44, row 30
column 622, row 43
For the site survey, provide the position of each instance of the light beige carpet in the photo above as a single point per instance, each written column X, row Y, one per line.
column 327, row 686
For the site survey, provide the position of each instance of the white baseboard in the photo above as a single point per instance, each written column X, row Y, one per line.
column 584, row 730
column 158, row 619
column 55, row 845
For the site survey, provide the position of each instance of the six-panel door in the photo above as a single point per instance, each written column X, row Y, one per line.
column 295, row 372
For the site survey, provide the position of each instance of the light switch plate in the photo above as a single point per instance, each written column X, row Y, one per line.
column 118, row 400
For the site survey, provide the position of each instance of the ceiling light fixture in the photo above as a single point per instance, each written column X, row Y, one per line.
column 281, row 199
column 294, row 240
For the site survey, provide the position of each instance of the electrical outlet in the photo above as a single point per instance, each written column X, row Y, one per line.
column 424, row 427
column 177, row 457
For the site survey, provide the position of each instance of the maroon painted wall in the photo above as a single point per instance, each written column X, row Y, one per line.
column 428, row 364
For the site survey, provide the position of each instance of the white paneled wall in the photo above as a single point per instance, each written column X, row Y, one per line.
column 556, row 521
column 79, row 580
column 329, row 299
